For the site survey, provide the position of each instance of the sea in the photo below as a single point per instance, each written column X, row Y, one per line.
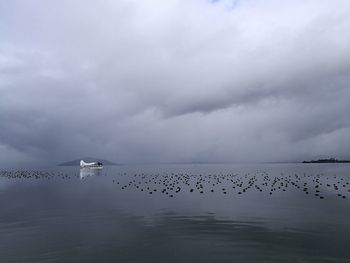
column 176, row 213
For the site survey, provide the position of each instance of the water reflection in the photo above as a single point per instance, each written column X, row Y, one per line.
column 87, row 172
column 53, row 216
column 116, row 236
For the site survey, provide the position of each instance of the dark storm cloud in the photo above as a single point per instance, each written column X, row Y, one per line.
column 174, row 80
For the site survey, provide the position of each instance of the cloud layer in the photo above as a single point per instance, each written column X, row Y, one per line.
column 162, row 81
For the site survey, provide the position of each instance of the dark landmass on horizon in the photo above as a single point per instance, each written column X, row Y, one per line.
column 330, row 160
column 107, row 162
column 87, row 159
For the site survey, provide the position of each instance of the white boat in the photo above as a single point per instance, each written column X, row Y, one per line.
column 95, row 165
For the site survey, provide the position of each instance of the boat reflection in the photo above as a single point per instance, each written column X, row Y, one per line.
column 87, row 172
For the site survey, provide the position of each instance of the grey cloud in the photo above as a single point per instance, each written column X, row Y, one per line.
column 173, row 81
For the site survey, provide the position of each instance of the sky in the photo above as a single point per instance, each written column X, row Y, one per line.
column 174, row 81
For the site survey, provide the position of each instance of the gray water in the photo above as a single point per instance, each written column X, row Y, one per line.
column 176, row 213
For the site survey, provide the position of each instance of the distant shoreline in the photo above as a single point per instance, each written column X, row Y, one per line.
column 87, row 159
column 331, row 160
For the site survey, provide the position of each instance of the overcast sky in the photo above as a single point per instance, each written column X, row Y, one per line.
column 174, row 81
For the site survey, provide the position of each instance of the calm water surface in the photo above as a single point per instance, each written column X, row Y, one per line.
column 176, row 213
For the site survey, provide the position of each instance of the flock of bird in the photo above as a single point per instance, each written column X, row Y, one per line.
column 33, row 174
column 171, row 184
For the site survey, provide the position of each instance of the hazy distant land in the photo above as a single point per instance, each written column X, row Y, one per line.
column 330, row 160
column 107, row 162
column 87, row 159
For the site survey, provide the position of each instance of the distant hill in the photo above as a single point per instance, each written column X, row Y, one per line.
column 87, row 159
column 330, row 160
